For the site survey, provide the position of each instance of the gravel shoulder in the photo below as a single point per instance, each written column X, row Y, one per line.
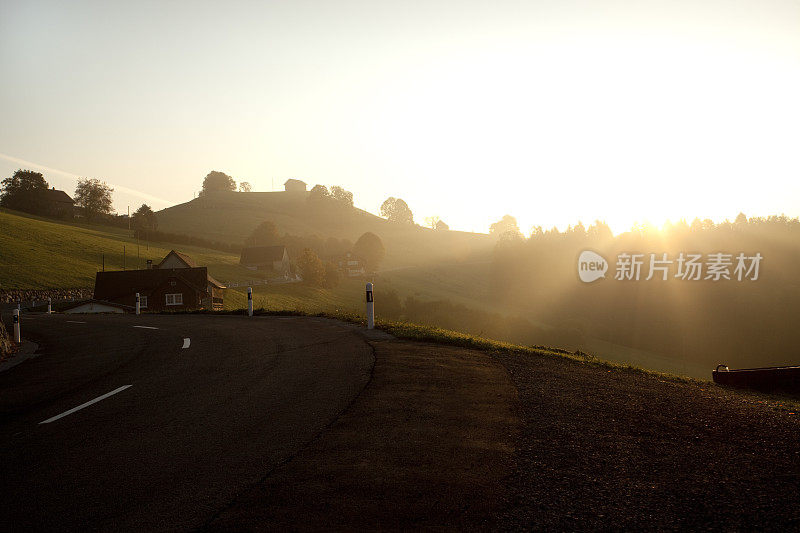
column 448, row 438
column 621, row 450
column 429, row 443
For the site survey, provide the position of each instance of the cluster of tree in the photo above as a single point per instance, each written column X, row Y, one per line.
column 216, row 181
column 94, row 198
column 27, row 190
column 144, row 219
column 697, row 323
column 369, row 248
column 316, row 272
column 267, row 234
column 396, row 210
column 320, row 196
column 506, row 228
column 320, row 271
column 23, row 191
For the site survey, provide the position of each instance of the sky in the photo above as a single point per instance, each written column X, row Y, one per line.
column 552, row 111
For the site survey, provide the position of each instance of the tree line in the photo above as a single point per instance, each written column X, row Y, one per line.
column 316, row 259
column 699, row 323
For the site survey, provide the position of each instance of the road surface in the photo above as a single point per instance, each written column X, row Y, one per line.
column 158, row 422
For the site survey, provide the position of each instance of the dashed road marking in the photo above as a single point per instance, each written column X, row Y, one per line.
column 76, row 322
column 83, row 405
column 186, row 342
column 145, row 327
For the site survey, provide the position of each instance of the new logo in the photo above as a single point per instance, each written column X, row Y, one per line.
column 591, row 266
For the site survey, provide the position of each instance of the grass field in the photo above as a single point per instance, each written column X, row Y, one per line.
column 37, row 253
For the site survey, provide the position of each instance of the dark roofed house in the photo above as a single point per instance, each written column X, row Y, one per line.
column 266, row 258
column 175, row 283
column 293, row 185
column 176, row 260
column 55, row 203
column 160, row 288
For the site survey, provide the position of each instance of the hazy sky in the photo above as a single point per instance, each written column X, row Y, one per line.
column 551, row 111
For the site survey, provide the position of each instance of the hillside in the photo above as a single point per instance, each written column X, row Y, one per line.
column 42, row 253
column 231, row 216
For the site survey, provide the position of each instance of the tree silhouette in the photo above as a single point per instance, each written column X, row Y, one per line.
column 265, row 234
column 216, row 181
column 507, row 224
column 311, row 268
column 144, row 219
column 397, row 210
column 94, row 197
column 369, row 247
column 341, row 196
column 22, row 190
column 318, row 193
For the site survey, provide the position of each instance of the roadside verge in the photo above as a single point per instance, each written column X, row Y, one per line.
column 428, row 443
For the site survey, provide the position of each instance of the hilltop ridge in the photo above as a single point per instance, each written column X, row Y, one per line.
column 231, row 216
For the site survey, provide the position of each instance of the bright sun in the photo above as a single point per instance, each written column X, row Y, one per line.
column 591, row 127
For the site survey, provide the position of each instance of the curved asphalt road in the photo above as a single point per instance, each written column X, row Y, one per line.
column 196, row 427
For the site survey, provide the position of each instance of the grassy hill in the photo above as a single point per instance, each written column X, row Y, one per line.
column 231, row 216
column 41, row 253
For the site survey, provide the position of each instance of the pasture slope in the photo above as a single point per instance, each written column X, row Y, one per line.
column 230, row 217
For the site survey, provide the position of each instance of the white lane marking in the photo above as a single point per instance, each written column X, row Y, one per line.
column 186, row 342
column 76, row 321
column 145, row 327
column 87, row 404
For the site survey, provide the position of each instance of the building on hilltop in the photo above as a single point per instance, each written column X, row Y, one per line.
column 293, row 185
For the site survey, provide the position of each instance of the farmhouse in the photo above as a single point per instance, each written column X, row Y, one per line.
column 176, row 260
column 175, row 283
column 351, row 265
column 293, row 185
column 54, row 203
column 266, row 258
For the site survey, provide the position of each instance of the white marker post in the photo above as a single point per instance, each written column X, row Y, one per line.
column 249, row 301
column 15, row 320
column 138, row 305
column 370, row 308
column 49, row 306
